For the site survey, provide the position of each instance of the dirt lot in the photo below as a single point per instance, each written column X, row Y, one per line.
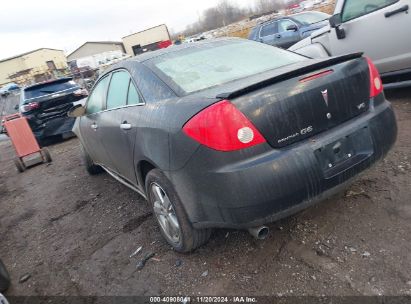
column 74, row 234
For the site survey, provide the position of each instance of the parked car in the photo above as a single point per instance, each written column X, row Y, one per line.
column 379, row 28
column 46, row 105
column 295, row 8
column 307, row 4
column 194, row 39
column 9, row 88
column 233, row 133
column 285, row 31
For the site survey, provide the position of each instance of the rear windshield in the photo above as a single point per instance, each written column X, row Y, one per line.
column 311, row 17
column 48, row 88
column 213, row 64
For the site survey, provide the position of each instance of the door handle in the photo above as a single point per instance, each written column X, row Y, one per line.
column 125, row 126
column 278, row 36
column 397, row 11
column 94, row 126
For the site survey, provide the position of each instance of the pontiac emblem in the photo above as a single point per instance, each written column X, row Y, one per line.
column 325, row 96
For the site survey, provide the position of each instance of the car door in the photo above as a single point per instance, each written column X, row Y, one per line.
column 268, row 32
column 286, row 38
column 89, row 124
column 380, row 28
column 120, row 123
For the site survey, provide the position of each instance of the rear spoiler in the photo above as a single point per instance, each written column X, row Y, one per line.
column 289, row 74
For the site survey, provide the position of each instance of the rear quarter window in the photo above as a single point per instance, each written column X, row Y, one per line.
column 254, row 33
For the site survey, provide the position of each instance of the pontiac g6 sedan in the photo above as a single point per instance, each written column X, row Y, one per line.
column 233, row 133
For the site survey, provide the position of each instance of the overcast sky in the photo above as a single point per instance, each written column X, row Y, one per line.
column 26, row 24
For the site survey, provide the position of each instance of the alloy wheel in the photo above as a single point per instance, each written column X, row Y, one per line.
column 165, row 213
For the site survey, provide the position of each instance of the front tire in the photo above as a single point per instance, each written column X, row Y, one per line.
column 91, row 168
column 171, row 216
column 4, row 278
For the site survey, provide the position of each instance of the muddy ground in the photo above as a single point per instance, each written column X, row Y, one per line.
column 73, row 234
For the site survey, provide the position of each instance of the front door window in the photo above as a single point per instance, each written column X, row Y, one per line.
column 357, row 8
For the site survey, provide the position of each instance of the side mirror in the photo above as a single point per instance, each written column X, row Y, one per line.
column 77, row 111
column 335, row 20
column 292, row 27
column 16, row 107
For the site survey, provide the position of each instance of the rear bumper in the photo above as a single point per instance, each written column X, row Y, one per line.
column 52, row 127
column 260, row 185
column 397, row 80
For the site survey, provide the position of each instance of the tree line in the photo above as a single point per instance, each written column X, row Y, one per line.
column 227, row 12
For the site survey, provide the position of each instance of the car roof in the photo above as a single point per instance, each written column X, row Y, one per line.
column 286, row 17
column 176, row 48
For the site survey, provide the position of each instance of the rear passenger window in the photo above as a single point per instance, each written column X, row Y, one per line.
column 133, row 97
column 118, row 90
column 269, row 29
column 357, row 8
column 95, row 102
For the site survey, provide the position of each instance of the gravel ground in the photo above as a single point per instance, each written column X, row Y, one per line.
column 73, row 234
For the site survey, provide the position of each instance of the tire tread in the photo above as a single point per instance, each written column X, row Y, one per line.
column 91, row 168
column 4, row 278
column 192, row 238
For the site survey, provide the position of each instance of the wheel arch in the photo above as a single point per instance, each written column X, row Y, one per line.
column 143, row 168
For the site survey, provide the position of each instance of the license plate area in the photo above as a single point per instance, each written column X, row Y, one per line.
column 345, row 153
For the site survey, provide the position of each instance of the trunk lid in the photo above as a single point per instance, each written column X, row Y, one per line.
column 291, row 110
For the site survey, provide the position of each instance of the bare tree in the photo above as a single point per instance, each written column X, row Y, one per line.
column 266, row 6
column 229, row 12
column 226, row 12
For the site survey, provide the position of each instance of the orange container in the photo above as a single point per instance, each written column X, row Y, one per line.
column 21, row 136
column 24, row 142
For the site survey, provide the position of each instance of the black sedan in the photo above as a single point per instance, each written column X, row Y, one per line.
column 233, row 133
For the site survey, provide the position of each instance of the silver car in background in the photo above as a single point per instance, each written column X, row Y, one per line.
column 379, row 28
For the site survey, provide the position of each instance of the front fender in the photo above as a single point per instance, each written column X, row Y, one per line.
column 312, row 50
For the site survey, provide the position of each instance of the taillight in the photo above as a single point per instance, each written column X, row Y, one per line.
column 30, row 106
column 375, row 80
column 223, row 127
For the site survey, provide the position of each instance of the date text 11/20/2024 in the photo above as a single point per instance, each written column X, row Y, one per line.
column 203, row 299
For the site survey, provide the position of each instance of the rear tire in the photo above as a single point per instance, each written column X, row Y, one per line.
column 189, row 237
column 19, row 165
column 91, row 168
column 4, row 278
column 45, row 154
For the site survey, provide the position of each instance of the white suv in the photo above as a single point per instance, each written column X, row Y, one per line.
column 379, row 28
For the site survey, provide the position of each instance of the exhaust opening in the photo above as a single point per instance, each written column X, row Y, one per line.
column 260, row 233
